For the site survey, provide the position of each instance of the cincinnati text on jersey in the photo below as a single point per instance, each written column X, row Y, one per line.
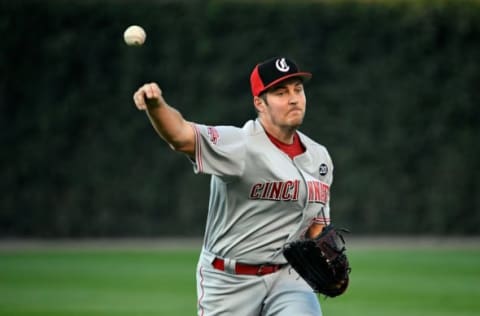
column 318, row 192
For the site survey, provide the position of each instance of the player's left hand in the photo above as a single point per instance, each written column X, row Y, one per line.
column 322, row 261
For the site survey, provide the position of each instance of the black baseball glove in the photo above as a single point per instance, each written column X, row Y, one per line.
column 321, row 261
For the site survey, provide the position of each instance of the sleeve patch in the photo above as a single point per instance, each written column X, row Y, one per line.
column 213, row 135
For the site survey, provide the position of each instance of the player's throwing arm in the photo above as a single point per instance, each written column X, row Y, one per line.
column 166, row 120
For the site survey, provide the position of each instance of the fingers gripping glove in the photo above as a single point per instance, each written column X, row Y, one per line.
column 322, row 261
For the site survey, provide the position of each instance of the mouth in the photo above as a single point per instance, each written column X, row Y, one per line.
column 296, row 110
column 295, row 115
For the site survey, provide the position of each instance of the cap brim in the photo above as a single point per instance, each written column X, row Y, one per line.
column 304, row 75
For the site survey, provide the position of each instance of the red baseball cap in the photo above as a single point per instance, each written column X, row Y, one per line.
column 272, row 71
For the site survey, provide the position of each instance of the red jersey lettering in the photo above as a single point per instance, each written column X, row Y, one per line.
column 318, row 192
column 275, row 190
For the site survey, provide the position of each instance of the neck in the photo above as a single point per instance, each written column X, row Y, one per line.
column 283, row 134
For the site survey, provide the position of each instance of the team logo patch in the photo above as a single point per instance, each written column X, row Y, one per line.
column 323, row 169
column 282, row 65
column 213, row 134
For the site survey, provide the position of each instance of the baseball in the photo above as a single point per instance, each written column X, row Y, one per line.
column 134, row 35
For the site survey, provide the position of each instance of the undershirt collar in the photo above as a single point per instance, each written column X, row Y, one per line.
column 292, row 150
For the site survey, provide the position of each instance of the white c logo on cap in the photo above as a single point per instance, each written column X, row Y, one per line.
column 282, row 65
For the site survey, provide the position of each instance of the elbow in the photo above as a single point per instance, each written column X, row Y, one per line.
column 183, row 147
column 176, row 146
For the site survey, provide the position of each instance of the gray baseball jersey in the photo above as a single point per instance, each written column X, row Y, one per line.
column 259, row 197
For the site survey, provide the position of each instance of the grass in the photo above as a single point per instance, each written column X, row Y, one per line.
column 152, row 282
column 411, row 282
column 97, row 283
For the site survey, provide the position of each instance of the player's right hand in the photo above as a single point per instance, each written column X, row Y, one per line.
column 148, row 96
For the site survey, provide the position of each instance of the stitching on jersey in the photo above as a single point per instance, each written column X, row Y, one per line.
column 198, row 152
column 202, row 290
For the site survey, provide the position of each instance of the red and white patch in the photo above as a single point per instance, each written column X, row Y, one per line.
column 213, row 134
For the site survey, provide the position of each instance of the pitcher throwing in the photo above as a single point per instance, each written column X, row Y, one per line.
column 270, row 185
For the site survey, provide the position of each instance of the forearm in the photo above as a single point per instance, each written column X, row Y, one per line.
column 170, row 125
column 167, row 121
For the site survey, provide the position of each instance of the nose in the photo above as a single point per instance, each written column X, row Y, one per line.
column 293, row 99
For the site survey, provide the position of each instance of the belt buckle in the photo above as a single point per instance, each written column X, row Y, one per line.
column 260, row 269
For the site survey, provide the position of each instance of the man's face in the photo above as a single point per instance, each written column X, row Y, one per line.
column 285, row 104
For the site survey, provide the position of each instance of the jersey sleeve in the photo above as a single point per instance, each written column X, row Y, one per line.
column 219, row 150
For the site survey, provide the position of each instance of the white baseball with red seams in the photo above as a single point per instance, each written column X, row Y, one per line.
column 259, row 199
column 134, row 35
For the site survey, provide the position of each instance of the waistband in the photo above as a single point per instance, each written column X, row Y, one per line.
column 250, row 269
column 233, row 267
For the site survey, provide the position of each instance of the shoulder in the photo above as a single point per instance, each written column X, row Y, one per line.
column 252, row 128
column 251, row 132
column 313, row 146
column 213, row 128
column 320, row 155
column 218, row 133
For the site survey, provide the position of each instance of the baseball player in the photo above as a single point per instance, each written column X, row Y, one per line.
column 269, row 184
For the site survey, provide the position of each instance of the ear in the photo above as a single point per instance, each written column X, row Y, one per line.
column 259, row 104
